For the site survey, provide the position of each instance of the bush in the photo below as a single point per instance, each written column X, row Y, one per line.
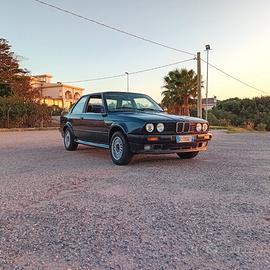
column 17, row 112
column 56, row 110
column 238, row 112
column 212, row 119
column 261, row 127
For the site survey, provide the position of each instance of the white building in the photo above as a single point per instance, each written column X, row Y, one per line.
column 59, row 94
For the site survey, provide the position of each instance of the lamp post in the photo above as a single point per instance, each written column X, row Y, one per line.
column 207, row 48
column 127, row 81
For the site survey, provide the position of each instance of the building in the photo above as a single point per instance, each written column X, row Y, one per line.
column 212, row 102
column 59, row 94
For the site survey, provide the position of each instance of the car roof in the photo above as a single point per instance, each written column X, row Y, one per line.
column 112, row 92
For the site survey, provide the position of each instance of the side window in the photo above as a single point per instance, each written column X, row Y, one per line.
column 111, row 103
column 94, row 105
column 79, row 106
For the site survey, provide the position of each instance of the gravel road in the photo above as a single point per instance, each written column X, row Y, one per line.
column 76, row 210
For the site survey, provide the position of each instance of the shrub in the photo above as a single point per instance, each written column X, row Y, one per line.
column 56, row 110
column 17, row 112
column 239, row 112
column 261, row 127
column 212, row 119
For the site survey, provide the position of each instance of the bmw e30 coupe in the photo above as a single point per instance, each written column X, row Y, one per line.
column 131, row 123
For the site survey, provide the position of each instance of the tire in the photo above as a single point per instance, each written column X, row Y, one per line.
column 69, row 140
column 119, row 149
column 187, row 155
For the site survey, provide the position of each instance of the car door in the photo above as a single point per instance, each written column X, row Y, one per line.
column 94, row 127
column 76, row 117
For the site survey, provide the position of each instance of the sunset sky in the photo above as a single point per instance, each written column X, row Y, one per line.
column 72, row 49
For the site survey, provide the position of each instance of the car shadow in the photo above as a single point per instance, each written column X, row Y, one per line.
column 104, row 155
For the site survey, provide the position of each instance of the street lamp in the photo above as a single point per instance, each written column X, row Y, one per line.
column 127, row 81
column 207, row 48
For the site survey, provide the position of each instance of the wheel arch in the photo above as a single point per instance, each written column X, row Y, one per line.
column 68, row 125
column 116, row 128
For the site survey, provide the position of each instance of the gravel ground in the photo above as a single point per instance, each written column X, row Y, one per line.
column 76, row 210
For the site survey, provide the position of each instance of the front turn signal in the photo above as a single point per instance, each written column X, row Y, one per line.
column 152, row 139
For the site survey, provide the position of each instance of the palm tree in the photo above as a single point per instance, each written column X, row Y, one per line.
column 180, row 87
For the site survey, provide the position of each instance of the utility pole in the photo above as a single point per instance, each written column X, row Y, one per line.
column 127, row 81
column 207, row 47
column 199, row 84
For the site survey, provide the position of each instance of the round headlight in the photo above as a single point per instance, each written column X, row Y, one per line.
column 205, row 127
column 149, row 127
column 160, row 127
column 199, row 127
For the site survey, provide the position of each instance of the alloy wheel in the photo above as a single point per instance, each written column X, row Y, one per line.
column 67, row 138
column 117, row 148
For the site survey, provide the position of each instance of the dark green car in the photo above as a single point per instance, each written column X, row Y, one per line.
column 131, row 123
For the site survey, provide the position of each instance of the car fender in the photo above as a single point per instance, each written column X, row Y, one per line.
column 68, row 125
column 119, row 126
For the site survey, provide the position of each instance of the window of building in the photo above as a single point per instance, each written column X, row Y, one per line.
column 68, row 95
column 76, row 96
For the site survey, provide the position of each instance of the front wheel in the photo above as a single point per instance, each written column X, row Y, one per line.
column 188, row 155
column 119, row 149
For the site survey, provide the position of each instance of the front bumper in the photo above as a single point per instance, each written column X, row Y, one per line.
column 166, row 144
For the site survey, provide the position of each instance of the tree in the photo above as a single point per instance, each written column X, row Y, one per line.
column 244, row 112
column 5, row 90
column 181, row 87
column 13, row 79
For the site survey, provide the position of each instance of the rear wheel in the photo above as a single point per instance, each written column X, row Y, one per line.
column 188, row 155
column 119, row 149
column 69, row 140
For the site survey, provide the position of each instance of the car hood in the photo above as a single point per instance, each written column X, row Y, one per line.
column 161, row 116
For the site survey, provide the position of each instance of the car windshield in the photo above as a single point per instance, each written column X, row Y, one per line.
column 130, row 102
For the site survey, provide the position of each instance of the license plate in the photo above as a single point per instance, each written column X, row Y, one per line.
column 184, row 139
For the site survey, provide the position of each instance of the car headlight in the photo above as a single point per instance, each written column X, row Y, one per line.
column 160, row 127
column 199, row 127
column 205, row 127
column 149, row 127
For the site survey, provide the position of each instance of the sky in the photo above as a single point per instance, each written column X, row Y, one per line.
column 72, row 49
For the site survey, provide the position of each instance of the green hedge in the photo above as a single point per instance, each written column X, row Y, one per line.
column 23, row 113
column 254, row 113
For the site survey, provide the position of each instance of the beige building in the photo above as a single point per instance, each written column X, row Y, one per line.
column 59, row 94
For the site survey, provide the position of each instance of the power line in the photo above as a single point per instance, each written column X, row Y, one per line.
column 112, row 27
column 141, row 38
column 236, row 79
column 97, row 79
column 131, row 73
column 154, row 68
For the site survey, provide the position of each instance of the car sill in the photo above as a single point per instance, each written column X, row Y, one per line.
column 93, row 144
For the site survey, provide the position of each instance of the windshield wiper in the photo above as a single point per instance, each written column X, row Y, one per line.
column 148, row 109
